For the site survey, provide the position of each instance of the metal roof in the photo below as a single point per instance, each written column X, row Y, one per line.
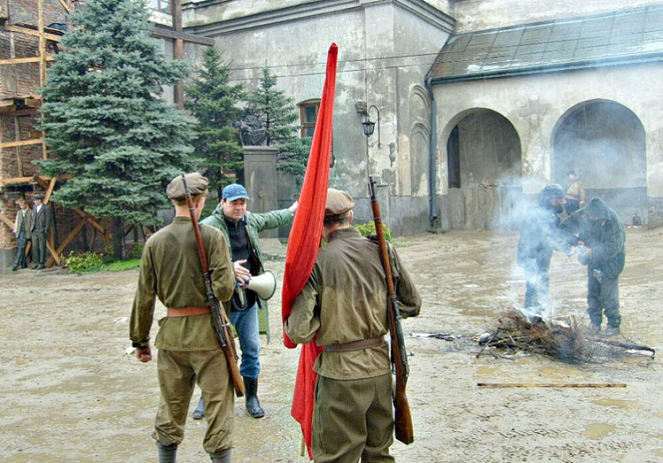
column 621, row 37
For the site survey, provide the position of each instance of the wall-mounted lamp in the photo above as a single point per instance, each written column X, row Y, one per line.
column 369, row 125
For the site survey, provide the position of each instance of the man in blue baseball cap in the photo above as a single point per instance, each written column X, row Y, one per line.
column 241, row 229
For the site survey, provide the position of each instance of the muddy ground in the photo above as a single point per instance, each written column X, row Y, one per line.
column 69, row 392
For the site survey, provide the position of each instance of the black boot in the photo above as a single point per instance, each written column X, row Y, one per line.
column 252, row 402
column 222, row 456
column 167, row 453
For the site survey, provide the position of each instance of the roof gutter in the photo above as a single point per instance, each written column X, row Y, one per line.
column 432, row 155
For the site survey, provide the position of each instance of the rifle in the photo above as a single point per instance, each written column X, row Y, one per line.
column 403, row 418
column 220, row 321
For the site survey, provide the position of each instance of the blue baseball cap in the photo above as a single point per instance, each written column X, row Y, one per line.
column 233, row 192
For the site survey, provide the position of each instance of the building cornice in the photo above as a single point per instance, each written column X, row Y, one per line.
column 418, row 8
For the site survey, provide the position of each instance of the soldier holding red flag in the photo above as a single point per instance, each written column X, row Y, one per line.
column 344, row 302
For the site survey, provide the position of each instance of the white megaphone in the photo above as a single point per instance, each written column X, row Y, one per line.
column 264, row 284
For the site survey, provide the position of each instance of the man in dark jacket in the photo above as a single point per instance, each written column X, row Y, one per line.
column 41, row 222
column 539, row 236
column 601, row 230
column 240, row 228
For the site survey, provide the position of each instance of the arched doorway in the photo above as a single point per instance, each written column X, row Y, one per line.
column 604, row 143
column 484, row 171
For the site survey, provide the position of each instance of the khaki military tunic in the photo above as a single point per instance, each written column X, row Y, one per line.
column 345, row 300
column 188, row 349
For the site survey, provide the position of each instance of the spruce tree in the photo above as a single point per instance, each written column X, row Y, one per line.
column 292, row 158
column 105, row 120
column 276, row 111
column 213, row 101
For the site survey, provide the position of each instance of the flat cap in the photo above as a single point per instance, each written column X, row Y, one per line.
column 197, row 184
column 338, row 202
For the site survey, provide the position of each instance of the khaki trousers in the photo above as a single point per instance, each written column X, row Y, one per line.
column 178, row 372
column 352, row 420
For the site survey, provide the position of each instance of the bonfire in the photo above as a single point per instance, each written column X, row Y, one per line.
column 560, row 338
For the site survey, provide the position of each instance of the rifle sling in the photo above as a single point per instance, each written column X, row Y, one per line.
column 356, row 345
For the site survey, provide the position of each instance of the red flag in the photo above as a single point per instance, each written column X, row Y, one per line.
column 304, row 242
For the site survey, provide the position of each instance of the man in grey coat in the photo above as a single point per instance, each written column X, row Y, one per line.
column 40, row 224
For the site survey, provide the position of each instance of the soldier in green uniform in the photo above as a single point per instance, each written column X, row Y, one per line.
column 189, row 352
column 345, row 303
column 601, row 230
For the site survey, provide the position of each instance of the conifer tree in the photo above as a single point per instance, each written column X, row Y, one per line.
column 278, row 114
column 213, row 101
column 105, row 120
column 276, row 111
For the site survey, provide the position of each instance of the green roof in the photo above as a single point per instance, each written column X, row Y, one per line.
column 621, row 37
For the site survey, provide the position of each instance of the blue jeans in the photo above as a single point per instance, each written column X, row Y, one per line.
column 246, row 324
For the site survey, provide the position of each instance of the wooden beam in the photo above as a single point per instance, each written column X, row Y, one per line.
column 12, row 144
column 16, row 180
column 91, row 220
column 178, row 51
column 161, row 33
column 55, row 256
column 42, row 43
column 50, row 189
column 32, row 59
column 66, row 6
column 66, row 242
column 7, row 222
column 27, row 31
column 551, row 385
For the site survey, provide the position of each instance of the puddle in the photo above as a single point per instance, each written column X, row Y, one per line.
column 598, row 431
column 621, row 404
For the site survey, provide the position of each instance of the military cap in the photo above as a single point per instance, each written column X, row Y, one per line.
column 197, row 184
column 338, row 202
column 38, row 196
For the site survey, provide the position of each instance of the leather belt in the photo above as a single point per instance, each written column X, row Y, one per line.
column 355, row 345
column 187, row 311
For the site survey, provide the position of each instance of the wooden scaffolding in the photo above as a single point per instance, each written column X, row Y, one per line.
column 17, row 105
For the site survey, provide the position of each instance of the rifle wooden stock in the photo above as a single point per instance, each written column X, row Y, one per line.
column 402, row 417
column 221, row 323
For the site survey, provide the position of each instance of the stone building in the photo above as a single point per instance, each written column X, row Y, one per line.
column 481, row 102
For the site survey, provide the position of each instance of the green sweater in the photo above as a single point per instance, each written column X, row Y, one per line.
column 255, row 223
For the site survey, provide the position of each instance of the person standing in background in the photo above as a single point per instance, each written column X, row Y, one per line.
column 601, row 231
column 40, row 225
column 575, row 193
column 23, row 232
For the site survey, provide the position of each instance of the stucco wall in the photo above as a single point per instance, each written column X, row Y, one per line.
column 535, row 106
column 476, row 15
column 385, row 51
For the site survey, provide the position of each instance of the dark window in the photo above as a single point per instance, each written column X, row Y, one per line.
column 308, row 114
column 161, row 5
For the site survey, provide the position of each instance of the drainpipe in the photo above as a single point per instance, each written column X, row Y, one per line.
column 432, row 156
